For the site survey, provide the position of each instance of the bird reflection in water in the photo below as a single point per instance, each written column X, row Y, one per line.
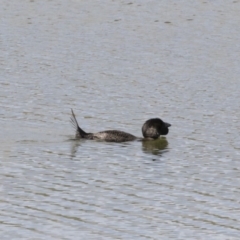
column 155, row 147
column 74, row 147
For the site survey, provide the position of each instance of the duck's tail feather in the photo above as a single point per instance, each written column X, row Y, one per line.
column 79, row 132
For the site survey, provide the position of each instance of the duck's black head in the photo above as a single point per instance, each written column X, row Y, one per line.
column 155, row 127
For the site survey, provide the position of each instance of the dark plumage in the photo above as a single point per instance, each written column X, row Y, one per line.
column 155, row 127
column 152, row 128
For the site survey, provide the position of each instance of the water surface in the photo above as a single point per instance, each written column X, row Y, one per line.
column 118, row 63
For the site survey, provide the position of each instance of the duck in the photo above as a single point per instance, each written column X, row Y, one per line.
column 152, row 129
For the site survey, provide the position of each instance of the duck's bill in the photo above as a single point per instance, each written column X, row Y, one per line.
column 167, row 124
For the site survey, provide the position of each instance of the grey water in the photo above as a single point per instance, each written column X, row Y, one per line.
column 117, row 64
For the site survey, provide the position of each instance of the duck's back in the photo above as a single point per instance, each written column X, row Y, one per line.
column 114, row 136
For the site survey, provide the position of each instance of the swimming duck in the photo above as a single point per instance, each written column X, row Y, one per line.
column 151, row 129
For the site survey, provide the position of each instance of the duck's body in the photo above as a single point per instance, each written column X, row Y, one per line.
column 111, row 136
column 152, row 128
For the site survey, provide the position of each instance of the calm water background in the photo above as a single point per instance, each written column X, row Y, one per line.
column 118, row 63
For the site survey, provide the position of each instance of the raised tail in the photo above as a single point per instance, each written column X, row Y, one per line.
column 79, row 132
